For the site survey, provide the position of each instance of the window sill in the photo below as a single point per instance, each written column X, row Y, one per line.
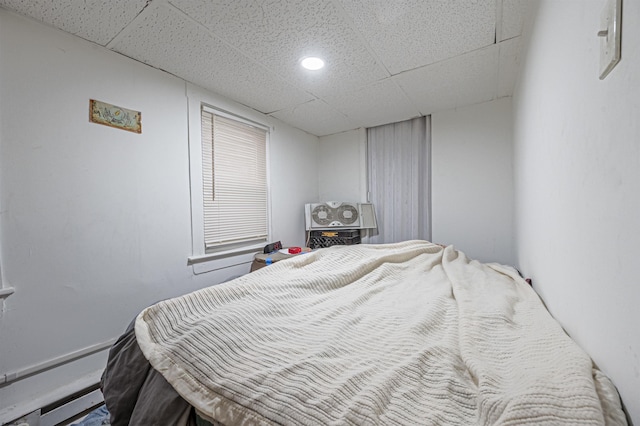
column 223, row 259
column 223, row 254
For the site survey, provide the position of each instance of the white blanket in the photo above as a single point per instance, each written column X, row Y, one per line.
column 407, row 333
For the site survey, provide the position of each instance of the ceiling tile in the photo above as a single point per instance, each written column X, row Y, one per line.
column 407, row 34
column 166, row 39
column 509, row 65
column 464, row 80
column 379, row 103
column 98, row 21
column 512, row 18
column 277, row 34
column 316, row 117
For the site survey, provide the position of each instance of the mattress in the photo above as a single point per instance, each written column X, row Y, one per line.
column 405, row 333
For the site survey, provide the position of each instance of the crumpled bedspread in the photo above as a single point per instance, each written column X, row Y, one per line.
column 407, row 333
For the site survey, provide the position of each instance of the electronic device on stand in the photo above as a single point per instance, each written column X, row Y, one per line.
column 337, row 222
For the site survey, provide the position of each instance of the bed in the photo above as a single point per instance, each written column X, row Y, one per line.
column 405, row 333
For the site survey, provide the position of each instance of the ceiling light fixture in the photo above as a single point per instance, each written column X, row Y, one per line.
column 312, row 63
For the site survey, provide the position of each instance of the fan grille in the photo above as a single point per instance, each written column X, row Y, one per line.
column 322, row 215
column 334, row 214
column 347, row 214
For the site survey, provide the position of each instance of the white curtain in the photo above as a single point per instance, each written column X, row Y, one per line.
column 399, row 174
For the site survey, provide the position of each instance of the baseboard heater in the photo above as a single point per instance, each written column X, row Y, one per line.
column 67, row 408
column 64, row 411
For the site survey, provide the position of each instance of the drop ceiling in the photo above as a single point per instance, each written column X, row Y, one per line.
column 386, row 60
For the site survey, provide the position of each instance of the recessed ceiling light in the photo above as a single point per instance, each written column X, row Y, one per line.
column 312, row 63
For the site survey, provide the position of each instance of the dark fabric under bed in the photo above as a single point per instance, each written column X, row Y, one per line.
column 135, row 393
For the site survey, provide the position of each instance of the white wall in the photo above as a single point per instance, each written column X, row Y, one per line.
column 577, row 163
column 342, row 167
column 95, row 222
column 472, row 177
column 472, row 180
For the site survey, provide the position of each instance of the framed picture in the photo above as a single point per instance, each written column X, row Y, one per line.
column 115, row 116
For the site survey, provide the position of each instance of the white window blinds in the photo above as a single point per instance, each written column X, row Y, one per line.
column 234, row 181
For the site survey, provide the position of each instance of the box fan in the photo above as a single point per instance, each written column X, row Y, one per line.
column 339, row 214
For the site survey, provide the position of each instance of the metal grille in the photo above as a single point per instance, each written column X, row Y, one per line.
column 320, row 239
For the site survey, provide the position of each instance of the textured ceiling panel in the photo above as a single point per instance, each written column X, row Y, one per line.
column 387, row 60
column 512, row 12
column 464, row 80
column 407, row 34
column 509, row 63
column 95, row 20
column 166, row 39
column 277, row 34
column 316, row 117
column 380, row 103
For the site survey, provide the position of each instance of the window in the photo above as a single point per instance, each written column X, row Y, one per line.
column 234, row 181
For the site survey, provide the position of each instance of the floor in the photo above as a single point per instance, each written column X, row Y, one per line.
column 98, row 417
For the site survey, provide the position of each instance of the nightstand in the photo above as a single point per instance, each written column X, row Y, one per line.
column 260, row 259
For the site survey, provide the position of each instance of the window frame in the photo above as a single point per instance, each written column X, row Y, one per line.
column 201, row 259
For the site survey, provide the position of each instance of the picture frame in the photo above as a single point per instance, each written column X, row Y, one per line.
column 115, row 116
